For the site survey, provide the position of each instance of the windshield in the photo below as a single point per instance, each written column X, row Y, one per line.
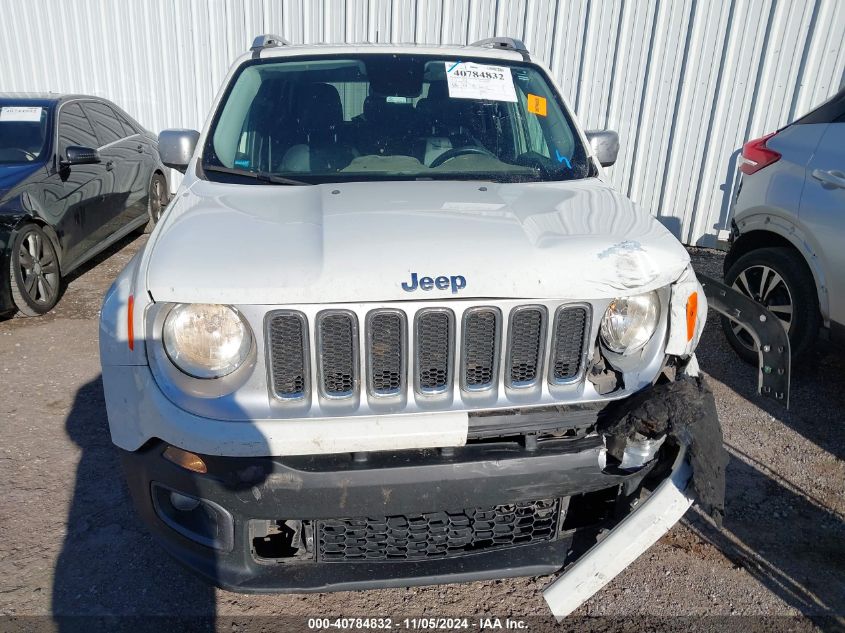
column 380, row 117
column 23, row 133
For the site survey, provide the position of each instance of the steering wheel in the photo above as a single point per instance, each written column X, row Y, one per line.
column 459, row 151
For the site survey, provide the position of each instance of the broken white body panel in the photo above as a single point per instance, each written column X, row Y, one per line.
column 623, row 545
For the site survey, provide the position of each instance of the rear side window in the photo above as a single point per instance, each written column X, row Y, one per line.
column 128, row 128
column 75, row 128
column 831, row 111
column 107, row 126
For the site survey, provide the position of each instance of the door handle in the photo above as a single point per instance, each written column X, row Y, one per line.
column 830, row 178
column 140, row 148
column 110, row 165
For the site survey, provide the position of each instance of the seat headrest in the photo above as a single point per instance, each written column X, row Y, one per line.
column 319, row 108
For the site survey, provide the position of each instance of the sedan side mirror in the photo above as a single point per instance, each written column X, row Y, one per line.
column 77, row 155
column 176, row 147
column 605, row 145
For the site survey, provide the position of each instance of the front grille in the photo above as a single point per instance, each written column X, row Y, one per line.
column 434, row 350
column 419, row 349
column 287, row 333
column 480, row 349
column 570, row 328
column 437, row 534
column 526, row 345
column 386, row 336
column 337, row 334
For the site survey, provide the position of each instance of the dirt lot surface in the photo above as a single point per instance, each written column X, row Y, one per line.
column 72, row 545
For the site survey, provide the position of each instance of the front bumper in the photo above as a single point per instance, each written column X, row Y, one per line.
column 576, row 475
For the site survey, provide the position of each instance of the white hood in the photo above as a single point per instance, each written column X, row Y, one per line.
column 358, row 242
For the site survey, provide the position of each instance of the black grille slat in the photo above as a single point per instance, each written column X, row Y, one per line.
column 288, row 366
column 525, row 345
column 386, row 352
column 437, row 534
column 434, row 347
column 570, row 328
column 338, row 366
column 479, row 340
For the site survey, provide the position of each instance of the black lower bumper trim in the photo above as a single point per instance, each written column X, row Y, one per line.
column 388, row 484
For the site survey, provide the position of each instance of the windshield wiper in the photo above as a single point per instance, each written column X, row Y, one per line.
column 257, row 175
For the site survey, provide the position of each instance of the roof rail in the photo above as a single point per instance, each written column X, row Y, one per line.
column 506, row 43
column 267, row 41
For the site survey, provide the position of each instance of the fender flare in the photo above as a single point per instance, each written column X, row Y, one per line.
column 764, row 327
column 785, row 228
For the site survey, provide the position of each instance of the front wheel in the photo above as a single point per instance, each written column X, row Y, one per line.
column 158, row 199
column 777, row 278
column 34, row 271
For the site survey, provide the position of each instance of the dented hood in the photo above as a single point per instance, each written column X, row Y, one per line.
column 359, row 242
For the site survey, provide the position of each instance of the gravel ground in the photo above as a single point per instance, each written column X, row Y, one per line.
column 71, row 544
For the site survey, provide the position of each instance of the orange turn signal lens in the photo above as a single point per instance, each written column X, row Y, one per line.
column 184, row 459
column 692, row 315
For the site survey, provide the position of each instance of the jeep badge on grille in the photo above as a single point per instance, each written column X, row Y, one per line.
column 456, row 282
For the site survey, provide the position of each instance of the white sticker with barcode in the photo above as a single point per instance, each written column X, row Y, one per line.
column 467, row 80
column 20, row 113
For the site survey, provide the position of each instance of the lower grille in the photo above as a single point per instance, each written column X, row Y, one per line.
column 437, row 534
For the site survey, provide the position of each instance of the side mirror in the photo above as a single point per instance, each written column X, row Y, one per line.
column 605, row 145
column 175, row 147
column 76, row 155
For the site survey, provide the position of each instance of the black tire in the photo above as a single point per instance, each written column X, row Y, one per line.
column 789, row 291
column 34, row 272
column 157, row 200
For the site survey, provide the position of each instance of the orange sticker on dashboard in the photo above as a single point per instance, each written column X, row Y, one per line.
column 536, row 104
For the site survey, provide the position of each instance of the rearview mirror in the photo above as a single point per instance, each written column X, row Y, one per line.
column 176, row 147
column 605, row 145
column 77, row 155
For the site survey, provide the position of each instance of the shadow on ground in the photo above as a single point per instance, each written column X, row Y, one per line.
column 109, row 564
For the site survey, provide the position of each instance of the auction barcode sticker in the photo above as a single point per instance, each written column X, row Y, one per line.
column 20, row 113
column 467, row 80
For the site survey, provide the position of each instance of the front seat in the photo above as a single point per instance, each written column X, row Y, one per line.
column 319, row 117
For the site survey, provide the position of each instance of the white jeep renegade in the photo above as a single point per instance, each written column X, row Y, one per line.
column 396, row 328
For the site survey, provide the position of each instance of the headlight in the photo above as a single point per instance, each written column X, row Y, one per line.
column 628, row 323
column 206, row 340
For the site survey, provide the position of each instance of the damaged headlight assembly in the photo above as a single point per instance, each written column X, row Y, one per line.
column 206, row 340
column 629, row 322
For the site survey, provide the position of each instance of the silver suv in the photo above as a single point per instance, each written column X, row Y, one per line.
column 397, row 328
column 788, row 238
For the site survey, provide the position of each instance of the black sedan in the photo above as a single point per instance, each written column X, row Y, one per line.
column 76, row 174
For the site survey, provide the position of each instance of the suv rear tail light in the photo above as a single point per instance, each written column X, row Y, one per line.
column 755, row 155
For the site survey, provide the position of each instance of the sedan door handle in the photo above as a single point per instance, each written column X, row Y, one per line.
column 830, row 178
column 140, row 148
column 110, row 165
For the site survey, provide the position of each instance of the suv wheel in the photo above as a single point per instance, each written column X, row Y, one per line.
column 34, row 271
column 158, row 200
column 777, row 278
